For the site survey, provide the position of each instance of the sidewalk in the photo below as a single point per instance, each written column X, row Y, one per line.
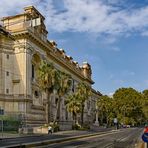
column 69, row 132
column 16, row 135
column 140, row 143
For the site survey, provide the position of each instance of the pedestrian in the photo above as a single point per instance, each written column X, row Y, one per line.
column 49, row 129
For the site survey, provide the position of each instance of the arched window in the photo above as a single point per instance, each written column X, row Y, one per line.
column 35, row 64
column 33, row 71
column 36, row 93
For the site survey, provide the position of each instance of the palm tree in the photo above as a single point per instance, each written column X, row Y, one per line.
column 47, row 79
column 73, row 106
column 83, row 92
column 63, row 87
column 105, row 106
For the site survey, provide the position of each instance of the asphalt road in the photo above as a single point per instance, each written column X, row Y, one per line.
column 126, row 138
column 9, row 142
column 106, row 139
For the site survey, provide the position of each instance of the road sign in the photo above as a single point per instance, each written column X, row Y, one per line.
column 146, row 129
column 145, row 137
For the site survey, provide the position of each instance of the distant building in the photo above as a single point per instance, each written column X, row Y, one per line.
column 19, row 60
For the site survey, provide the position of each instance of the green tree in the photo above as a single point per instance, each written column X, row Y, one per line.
column 84, row 92
column 47, row 80
column 73, row 106
column 145, row 93
column 128, row 104
column 63, row 87
column 145, row 104
column 106, row 109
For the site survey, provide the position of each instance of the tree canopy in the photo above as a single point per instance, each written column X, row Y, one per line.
column 127, row 105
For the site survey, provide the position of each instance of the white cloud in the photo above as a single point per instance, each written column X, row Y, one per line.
column 117, row 2
column 128, row 73
column 93, row 16
column 109, row 40
column 62, row 41
column 132, row 73
column 12, row 7
column 111, row 76
column 111, row 94
column 145, row 33
column 146, row 82
column 119, row 81
column 116, row 49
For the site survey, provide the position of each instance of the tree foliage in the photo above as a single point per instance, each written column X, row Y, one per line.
column 145, row 104
column 76, row 102
column 63, row 87
column 105, row 106
column 73, row 105
column 83, row 92
column 47, row 76
column 127, row 105
column 47, row 80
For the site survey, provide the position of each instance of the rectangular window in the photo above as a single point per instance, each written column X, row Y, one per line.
column 66, row 114
column 56, row 101
column 7, row 73
column 32, row 71
column 7, row 91
column 7, row 56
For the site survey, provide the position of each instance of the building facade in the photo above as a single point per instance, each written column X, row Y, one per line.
column 20, row 57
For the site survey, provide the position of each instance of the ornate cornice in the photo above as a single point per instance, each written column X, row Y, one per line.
column 37, row 34
column 36, row 107
column 15, row 98
column 52, row 54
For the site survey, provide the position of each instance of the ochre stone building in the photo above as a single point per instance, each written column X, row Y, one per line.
column 20, row 55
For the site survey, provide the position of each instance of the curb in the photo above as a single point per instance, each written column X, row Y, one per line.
column 140, row 145
column 23, row 136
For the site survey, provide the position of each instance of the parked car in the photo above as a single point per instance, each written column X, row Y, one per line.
column 128, row 126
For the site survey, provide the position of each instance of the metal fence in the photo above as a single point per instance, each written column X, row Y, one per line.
column 10, row 122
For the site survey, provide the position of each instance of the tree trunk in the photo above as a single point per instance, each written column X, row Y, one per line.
column 101, row 119
column 82, row 115
column 107, row 122
column 57, row 110
column 74, row 118
column 47, row 107
column 46, row 112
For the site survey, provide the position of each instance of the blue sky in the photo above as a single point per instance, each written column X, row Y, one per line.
column 112, row 35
